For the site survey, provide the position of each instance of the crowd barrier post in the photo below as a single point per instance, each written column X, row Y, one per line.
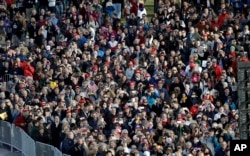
column 28, row 144
column 5, row 133
column 16, row 138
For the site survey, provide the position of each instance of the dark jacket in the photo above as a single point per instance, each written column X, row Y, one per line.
column 55, row 134
column 43, row 137
column 157, row 108
column 79, row 150
column 220, row 152
column 67, row 146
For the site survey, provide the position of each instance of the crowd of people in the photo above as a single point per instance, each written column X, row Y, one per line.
column 104, row 78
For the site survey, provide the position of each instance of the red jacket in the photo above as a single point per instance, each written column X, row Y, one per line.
column 218, row 72
column 28, row 70
column 214, row 24
column 134, row 7
column 221, row 18
column 208, row 97
column 9, row 2
column 21, row 122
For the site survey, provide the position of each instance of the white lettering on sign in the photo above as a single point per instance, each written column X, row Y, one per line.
column 240, row 147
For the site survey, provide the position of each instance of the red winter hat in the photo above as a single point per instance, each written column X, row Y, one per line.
column 95, row 67
column 130, row 63
column 82, row 101
column 131, row 83
column 192, row 65
column 137, row 71
column 68, row 111
column 194, row 110
column 147, row 75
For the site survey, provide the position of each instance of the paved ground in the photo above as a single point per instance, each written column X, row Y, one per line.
column 5, row 151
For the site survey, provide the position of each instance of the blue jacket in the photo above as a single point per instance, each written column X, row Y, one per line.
column 237, row 4
column 219, row 152
column 67, row 146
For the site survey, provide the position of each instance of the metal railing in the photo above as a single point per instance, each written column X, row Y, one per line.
column 9, row 77
column 19, row 140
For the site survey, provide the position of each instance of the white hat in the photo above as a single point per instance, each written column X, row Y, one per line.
column 169, row 140
column 146, row 153
column 48, row 47
column 124, row 131
column 199, row 116
column 82, row 94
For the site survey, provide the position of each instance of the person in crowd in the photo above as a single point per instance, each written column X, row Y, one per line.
column 67, row 145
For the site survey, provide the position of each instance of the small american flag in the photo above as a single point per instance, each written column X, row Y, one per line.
column 92, row 86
